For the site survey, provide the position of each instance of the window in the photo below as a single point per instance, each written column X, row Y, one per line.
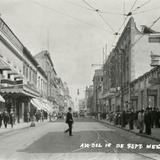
column 24, row 69
column 154, row 39
column 30, row 70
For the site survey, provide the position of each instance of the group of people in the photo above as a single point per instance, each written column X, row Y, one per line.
column 7, row 118
column 142, row 119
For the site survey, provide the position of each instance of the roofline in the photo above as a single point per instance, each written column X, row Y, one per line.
column 48, row 55
column 25, row 51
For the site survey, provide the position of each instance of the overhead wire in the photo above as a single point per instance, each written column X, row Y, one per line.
column 77, row 5
column 105, row 12
column 123, row 23
column 99, row 14
column 106, row 22
column 148, row 10
column 142, row 5
column 89, row 5
column 67, row 15
column 133, row 5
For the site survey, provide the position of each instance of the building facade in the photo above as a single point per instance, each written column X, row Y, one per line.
column 145, row 90
column 97, row 90
column 89, row 99
column 21, row 77
column 129, row 60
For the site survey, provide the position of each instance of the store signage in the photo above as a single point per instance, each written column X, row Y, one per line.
column 154, row 81
column 152, row 92
column 155, row 60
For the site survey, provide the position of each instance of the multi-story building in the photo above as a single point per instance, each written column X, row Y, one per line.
column 145, row 90
column 89, row 98
column 18, row 73
column 129, row 60
column 45, row 62
column 97, row 90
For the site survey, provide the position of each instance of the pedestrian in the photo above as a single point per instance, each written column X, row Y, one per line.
column 123, row 119
column 131, row 120
column 1, row 118
column 5, row 118
column 148, row 121
column 157, row 118
column 28, row 117
column 11, row 117
column 69, row 121
column 141, row 121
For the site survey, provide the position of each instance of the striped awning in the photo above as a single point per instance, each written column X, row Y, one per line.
column 2, row 99
column 4, row 65
column 42, row 104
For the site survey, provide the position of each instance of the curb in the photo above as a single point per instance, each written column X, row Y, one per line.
column 24, row 127
column 142, row 135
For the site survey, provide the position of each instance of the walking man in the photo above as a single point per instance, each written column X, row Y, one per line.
column 69, row 121
column 5, row 118
column 147, row 120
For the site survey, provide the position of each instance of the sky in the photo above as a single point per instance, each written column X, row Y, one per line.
column 74, row 34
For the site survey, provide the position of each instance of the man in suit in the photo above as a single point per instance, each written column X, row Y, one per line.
column 69, row 121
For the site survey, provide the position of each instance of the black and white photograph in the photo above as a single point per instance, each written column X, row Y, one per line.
column 79, row 80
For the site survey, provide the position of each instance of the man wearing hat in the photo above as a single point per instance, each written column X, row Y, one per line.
column 69, row 121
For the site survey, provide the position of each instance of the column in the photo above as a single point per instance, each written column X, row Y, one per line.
column 139, row 100
column 22, row 113
column 158, row 97
column 145, row 98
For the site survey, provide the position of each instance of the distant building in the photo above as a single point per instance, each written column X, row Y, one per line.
column 45, row 62
column 97, row 90
column 89, row 98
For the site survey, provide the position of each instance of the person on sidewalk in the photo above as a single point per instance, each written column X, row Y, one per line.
column 148, row 121
column 131, row 120
column 69, row 121
column 123, row 119
column 11, row 117
column 5, row 118
column 141, row 121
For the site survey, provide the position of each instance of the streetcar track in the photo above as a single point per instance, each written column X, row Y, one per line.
column 139, row 154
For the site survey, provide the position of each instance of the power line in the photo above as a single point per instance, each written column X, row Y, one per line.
column 148, row 10
column 106, row 22
column 67, row 15
column 77, row 5
column 98, row 12
column 127, row 15
column 133, row 5
column 89, row 5
column 142, row 5
column 95, row 10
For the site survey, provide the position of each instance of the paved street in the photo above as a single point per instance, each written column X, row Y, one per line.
column 91, row 140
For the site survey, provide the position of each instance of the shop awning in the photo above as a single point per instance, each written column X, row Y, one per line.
column 36, row 103
column 2, row 99
column 47, row 106
column 4, row 65
column 42, row 104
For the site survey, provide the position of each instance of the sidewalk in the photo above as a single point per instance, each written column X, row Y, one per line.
column 155, row 131
column 19, row 126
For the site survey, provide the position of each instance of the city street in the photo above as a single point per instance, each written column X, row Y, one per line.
column 90, row 140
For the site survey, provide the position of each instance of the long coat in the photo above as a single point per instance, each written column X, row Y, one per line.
column 69, row 118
